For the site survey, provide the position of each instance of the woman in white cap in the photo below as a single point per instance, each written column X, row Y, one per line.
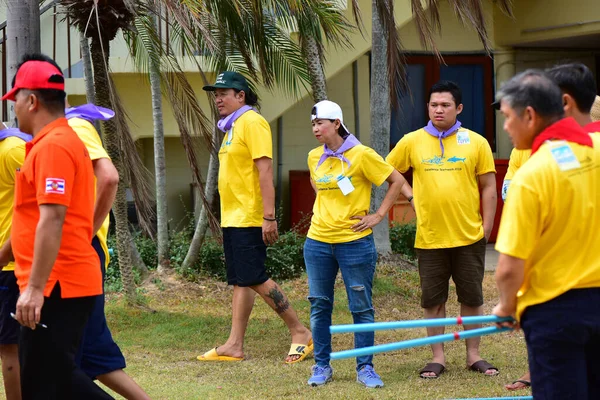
column 342, row 172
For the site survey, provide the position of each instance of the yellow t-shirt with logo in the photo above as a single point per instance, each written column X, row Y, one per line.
column 332, row 210
column 550, row 220
column 239, row 187
column 12, row 155
column 90, row 138
column 517, row 159
column 446, row 189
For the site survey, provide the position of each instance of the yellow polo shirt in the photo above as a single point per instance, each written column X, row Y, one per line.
column 517, row 159
column 12, row 155
column 90, row 138
column 446, row 189
column 332, row 210
column 550, row 220
column 239, row 187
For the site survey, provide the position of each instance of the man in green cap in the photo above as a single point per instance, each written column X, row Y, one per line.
column 248, row 217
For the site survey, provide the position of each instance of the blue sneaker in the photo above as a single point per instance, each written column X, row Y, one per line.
column 320, row 375
column 368, row 377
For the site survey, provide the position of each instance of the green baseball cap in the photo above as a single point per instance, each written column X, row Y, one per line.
column 229, row 80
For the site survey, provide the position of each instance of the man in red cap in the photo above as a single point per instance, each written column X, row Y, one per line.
column 56, row 265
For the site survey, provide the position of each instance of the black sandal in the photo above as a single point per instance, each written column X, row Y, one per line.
column 437, row 368
column 483, row 366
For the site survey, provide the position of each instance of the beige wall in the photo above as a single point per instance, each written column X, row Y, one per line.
column 298, row 138
column 454, row 36
column 179, row 176
column 539, row 20
column 508, row 62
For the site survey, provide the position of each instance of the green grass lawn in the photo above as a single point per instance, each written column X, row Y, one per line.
column 189, row 319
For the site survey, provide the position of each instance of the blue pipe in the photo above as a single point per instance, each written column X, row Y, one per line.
column 363, row 351
column 418, row 323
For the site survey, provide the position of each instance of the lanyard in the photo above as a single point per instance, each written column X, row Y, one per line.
column 230, row 134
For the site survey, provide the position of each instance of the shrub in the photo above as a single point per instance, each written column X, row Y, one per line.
column 285, row 258
column 402, row 239
column 212, row 260
column 147, row 249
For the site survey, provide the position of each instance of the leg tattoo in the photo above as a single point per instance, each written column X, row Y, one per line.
column 280, row 301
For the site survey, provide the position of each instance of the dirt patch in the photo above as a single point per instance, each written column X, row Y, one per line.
column 170, row 287
column 397, row 261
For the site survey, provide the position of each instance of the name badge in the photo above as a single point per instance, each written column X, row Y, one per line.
column 345, row 186
column 463, row 138
column 565, row 158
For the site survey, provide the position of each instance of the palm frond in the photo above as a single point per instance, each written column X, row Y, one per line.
column 423, row 25
column 469, row 12
column 146, row 48
column 186, row 127
column 396, row 63
column 108, row 15
column 505, row 6
column 136, row 174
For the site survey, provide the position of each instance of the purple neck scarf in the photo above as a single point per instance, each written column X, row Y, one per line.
column 90, row 112
column 349, row 143
column 226, row 123
column 8, row 132
column 432, row 130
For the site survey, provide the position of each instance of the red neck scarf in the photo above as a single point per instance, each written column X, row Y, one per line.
column 592, row 127
column 565, row 129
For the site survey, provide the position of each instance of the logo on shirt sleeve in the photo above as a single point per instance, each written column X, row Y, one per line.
column 55, row 185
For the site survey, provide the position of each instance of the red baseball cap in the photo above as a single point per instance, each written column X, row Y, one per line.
column 34, row 75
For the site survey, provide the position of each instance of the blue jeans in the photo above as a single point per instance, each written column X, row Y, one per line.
column 563, row 343
column 356, row 260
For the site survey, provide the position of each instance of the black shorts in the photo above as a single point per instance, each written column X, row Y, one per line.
column 9, row 294
column 98, row 353
column 465, row 264
column 245, row 256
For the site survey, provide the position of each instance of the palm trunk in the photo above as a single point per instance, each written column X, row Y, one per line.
column 315, row 69
column 99, row 52
column 34, row 26
column 18, row 39
column 88, row 76
column 380, row 122
column 162, row 226
column 210, row 190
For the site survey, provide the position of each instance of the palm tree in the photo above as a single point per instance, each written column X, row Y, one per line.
column 105, row 19
column 160, row 169
column 388, row 78
column 235, row 27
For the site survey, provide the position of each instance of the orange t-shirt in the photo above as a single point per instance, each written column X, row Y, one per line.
column 57, row 170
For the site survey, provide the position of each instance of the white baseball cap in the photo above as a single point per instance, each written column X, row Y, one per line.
column 329, row 110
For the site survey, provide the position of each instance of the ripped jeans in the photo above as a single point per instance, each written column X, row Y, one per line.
column 356, row 260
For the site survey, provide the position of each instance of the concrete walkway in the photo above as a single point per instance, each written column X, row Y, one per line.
column 491, row 257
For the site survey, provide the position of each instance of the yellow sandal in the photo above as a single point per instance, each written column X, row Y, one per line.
column 302, row 350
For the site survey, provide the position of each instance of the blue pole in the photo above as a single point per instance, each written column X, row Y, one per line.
column 363, row 351
column 418, row 323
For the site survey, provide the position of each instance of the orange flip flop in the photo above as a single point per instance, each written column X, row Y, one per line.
column 212, row 355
